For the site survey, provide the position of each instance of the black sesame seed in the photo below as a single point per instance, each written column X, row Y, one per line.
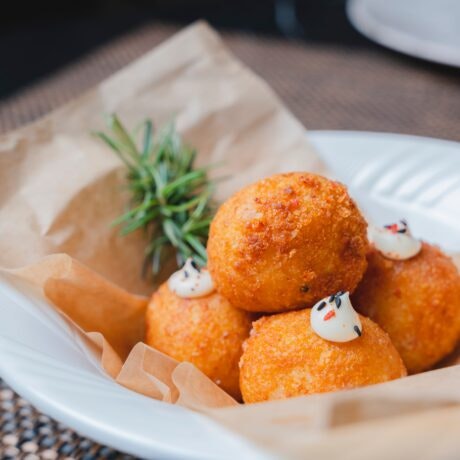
column 404, row 222
column 340, row 293
column 357, row 330
column 321, row 305
column 186, row 273
column 304, row 288
column 402, row 230
column 195, row 265
column 338, row 301
column 331, row 298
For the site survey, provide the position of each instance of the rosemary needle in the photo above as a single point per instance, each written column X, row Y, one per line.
column 171, row 199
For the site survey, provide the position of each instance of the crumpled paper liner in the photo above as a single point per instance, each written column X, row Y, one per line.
column 111, row 323
column 60, row 189
column 389, row 417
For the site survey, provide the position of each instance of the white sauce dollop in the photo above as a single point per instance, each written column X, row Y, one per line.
column 191, row 281
column 335, row 319
column 395, row 241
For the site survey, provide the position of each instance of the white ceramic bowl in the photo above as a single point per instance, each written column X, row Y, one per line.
column 391, row 176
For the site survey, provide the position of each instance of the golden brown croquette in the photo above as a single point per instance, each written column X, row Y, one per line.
column 284, row 358
column 417, row 301
column 206, row 331
column 287, row 241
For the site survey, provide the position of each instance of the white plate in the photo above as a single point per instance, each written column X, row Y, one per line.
column 427, row 29
column 390, row 175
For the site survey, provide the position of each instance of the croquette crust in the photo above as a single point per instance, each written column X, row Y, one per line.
column 417, row 301
column 287, row 241
column 284, row 358
column 206, row 331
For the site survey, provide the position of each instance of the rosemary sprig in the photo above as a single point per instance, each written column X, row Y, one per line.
column 170, row 197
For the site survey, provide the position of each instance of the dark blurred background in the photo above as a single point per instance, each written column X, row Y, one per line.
column 37, row 38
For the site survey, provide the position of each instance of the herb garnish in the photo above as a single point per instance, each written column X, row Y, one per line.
column 170, row 197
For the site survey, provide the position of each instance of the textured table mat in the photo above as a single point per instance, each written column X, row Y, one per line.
column 327, row 87
column 28, row 435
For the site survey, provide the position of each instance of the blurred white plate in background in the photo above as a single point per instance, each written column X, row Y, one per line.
column 427, row 29
column 390, row 176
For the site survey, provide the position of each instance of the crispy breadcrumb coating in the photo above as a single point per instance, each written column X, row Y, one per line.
column 417, row 301
column 284, row 358
column 206, row 331
column 287, row 241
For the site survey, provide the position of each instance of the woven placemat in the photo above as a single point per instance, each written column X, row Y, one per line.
column 360, row 87
column 327, row 87
column 26, row 434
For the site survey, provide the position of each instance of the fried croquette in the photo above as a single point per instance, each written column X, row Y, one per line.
column 417, row 301
column 206, row 331
column 285, row 242
column 284, row 358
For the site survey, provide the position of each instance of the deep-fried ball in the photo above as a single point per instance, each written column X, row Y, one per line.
column 206, row 331
column 284, row 358
column 285, row 242
column 417, row 301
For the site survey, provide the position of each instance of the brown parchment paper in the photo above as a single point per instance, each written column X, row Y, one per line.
column 60, row 189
